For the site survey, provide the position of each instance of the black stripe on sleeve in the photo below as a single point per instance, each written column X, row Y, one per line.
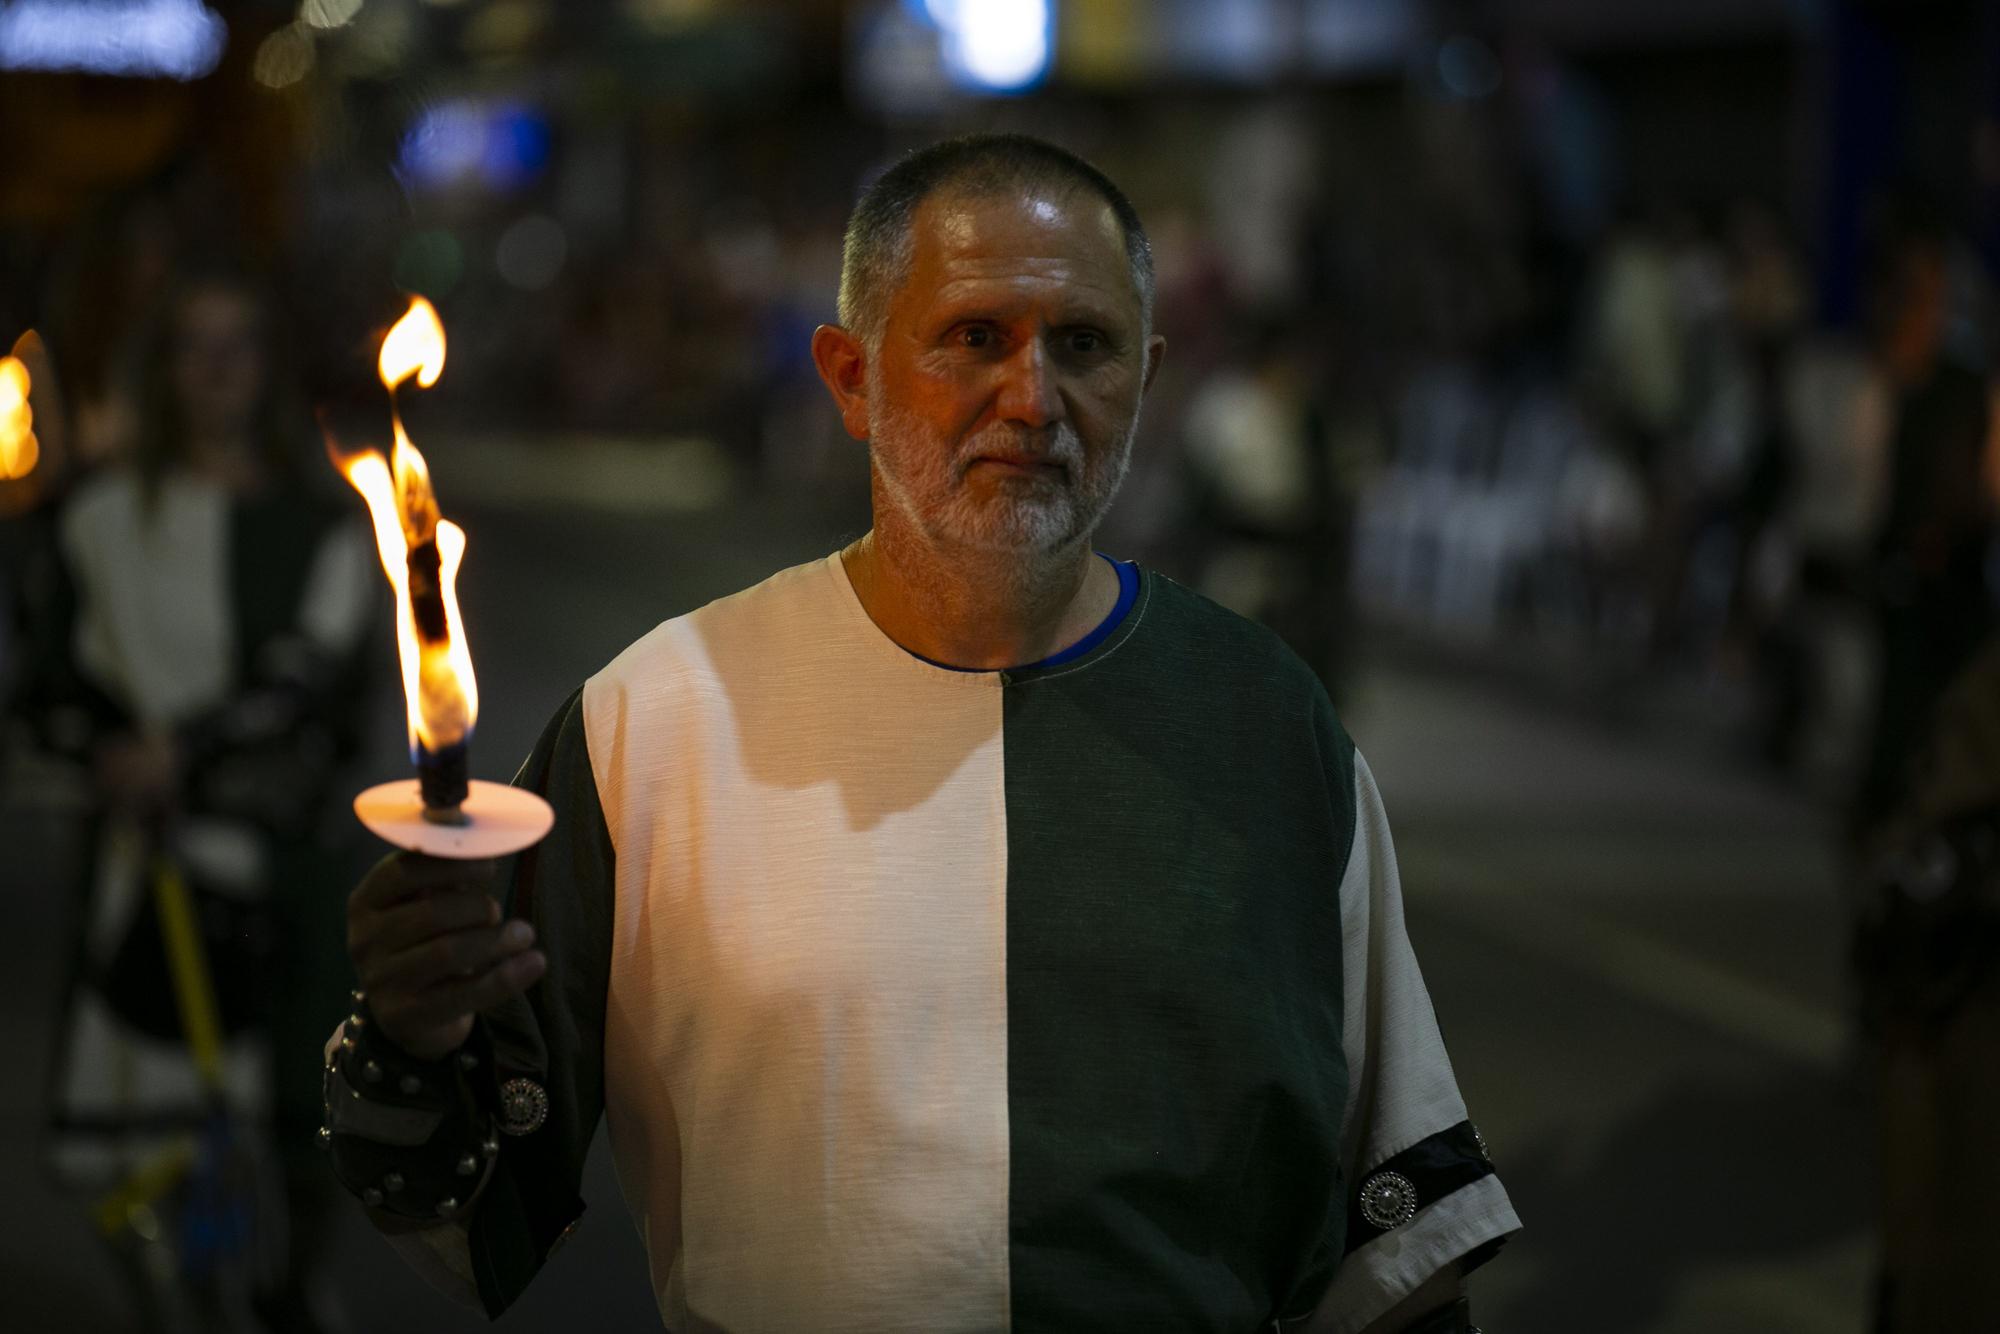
column 1435, row 1167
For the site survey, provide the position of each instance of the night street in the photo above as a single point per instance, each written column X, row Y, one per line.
column 1602, row 400
column 1633, row 949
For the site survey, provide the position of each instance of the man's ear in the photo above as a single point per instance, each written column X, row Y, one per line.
column 1156, row 352
column 842, row 363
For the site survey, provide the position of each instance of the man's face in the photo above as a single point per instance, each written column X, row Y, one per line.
column 1005, row 394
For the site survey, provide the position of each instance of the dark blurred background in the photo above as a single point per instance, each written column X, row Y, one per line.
column 1597, row 393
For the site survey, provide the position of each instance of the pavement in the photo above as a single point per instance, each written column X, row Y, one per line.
column 1632, row 944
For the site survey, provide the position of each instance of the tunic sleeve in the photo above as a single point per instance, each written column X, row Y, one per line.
column 554, row 1036
column 1421, row 1192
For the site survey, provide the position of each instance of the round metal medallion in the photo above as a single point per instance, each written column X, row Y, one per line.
column 524, row 1105
column 1388, row 1200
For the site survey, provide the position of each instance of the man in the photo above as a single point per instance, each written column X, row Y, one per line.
column 962, row 932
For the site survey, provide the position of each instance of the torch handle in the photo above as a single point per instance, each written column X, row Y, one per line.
column 427, row 592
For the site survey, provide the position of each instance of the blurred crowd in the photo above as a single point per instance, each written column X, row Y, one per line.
column 1696, row 476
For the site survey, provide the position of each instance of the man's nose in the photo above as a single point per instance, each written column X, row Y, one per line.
column 1028, row 390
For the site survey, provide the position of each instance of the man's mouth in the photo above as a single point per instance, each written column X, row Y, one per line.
column 1025, row 465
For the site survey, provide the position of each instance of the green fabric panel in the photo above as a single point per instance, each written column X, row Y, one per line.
column 565, row 886
column 1179, row 813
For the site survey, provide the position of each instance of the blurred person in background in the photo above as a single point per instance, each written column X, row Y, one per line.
column 1742, row 301
column 1931, row 556
column 899, row 909
column 1809, row 604
column 105, row 291
column 1653, row 283
column 193, row 645
column 1744, row 417
column 1929, row 955
column 1925, row 822
column 1632, row 362
column 1263, row 521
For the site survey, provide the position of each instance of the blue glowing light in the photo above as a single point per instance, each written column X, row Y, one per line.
column 516, row 148
column 174, row 39
column 503, row 145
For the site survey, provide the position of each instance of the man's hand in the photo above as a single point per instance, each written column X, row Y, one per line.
column 431, row 951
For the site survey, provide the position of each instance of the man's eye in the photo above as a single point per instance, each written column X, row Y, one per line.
column 1085, row 341
column 975, row 336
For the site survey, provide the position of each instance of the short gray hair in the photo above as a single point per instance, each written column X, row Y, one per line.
column 875, row 254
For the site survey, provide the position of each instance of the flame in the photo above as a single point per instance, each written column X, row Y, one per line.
column 414, row 346
column 439, row 691
column 19, row 450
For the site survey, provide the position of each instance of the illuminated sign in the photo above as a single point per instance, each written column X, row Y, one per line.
column 174, row 39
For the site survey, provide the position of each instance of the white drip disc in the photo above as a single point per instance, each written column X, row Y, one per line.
column 498, row 820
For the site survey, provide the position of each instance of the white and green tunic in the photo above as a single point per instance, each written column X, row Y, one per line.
column 1072, row 997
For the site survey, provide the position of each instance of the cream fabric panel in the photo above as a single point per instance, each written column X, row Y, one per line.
column 806, row 1045
column 156, row 629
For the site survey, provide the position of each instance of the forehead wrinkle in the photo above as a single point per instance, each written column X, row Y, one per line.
column 1010, row 281
column 1042, row 281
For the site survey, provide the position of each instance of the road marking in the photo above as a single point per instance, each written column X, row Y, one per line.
column 1638, row 965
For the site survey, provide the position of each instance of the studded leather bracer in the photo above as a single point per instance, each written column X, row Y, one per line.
column 417, row 1140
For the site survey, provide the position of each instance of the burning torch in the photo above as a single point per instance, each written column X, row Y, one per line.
column 441, row 812
column 19, row 449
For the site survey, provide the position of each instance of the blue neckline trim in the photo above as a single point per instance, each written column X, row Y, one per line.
column 1128, row 593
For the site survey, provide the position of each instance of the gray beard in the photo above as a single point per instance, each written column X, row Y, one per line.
column 1022, row 517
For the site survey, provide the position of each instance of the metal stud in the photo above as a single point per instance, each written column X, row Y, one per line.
column 467, row 1061
column 356, row 1021
column 1388, row 1200
column 467, row 1165
column 410, row 1085
column 357, row 996
column 392, row 1182
column 447, row 1207
column 346, row 1042
column 325, row 1138
column 371, row 1197
column 491, row 1148
column 524, row 1105
column 372, row 1071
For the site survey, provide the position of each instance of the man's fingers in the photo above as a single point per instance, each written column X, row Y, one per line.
column 455, row 1000
column 437, row 913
